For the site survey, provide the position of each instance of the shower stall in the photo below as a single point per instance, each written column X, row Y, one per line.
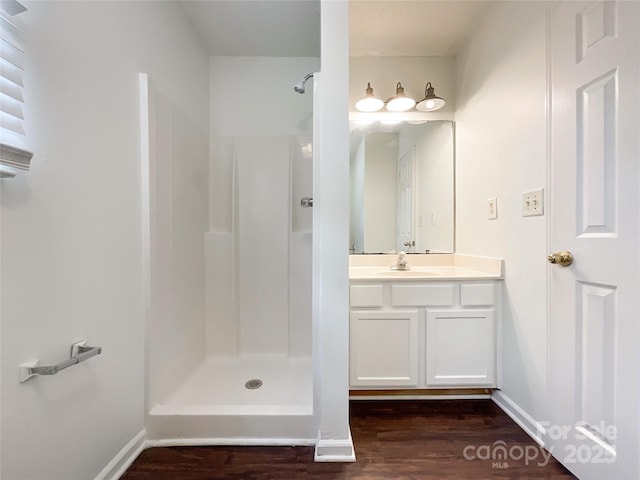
column 229, row 349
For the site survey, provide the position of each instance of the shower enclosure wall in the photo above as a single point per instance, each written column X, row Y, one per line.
column 231, row 260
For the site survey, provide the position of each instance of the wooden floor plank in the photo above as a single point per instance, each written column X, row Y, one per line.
column 412, row 440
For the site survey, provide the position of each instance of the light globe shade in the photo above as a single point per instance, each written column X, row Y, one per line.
column 400, row 103
column 370, row 103
column 430, row 105
column 430, row 102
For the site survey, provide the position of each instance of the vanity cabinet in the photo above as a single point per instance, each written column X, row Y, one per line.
column 424, row 334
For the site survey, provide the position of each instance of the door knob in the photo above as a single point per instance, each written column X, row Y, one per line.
column 306, row 202
column 563, row 258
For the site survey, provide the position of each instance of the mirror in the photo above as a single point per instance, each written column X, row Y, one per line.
column 402, row 187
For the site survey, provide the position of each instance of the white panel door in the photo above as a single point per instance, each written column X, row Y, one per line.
column 594, row 358
column 384, row 349
column 405, row 230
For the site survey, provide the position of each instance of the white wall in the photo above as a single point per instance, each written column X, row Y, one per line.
column 71, row 229
column 413, row 72
column 330, row 239
column 380, row 192
column 254, row 95
column 501, row 151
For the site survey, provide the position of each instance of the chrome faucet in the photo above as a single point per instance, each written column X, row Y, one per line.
column 401, row 263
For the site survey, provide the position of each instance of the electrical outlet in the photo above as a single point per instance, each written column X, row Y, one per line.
column 533, row 203
column 493, row 208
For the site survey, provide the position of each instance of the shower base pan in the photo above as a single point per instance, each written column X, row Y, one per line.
column 244, row 400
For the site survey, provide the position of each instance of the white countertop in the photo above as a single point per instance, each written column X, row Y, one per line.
column 432, row 267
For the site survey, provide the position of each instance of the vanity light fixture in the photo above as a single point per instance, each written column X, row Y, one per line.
column 430, row 103
column 400, row 102
column 370, row 103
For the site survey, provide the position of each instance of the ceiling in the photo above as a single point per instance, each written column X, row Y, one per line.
column 291, row 28
column 260, row 28
column 412, row 27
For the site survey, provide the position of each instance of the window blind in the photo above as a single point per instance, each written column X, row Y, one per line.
column 14, row 153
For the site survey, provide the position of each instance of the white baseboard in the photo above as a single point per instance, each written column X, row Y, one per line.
column 327, row 450
column 124, row 458
column 231, row 442
column 334, row 450
column 523, row 419
column 436, row 398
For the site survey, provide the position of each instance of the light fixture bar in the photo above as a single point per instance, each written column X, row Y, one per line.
column 400, row 102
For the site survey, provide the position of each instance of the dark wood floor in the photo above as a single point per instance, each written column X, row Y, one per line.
column 393, row 440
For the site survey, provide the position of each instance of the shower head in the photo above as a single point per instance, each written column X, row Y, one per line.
column 299, row 87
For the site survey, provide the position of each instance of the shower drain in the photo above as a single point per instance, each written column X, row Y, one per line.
column 253, row 384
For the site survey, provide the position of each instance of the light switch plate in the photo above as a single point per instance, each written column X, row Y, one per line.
column 493, row 208
column 533, row 203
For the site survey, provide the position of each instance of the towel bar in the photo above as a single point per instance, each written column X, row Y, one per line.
column 79, row 353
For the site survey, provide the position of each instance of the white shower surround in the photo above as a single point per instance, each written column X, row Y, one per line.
column 257, row 278
column 259, row 265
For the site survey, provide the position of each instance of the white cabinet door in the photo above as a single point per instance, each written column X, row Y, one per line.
column 384, row 349
column 460, row 346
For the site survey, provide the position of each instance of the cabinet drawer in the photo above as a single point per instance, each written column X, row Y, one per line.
column 365, row 295
column 422, row 295
column 477, row 294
